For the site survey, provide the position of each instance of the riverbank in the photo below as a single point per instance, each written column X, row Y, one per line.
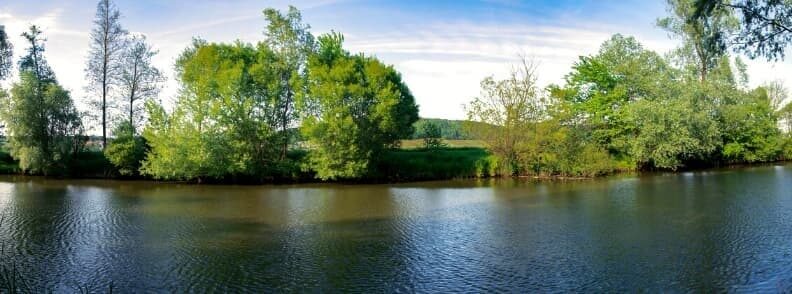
column 395, row 166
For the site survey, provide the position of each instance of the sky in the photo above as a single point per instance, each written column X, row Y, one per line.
column 442, row 48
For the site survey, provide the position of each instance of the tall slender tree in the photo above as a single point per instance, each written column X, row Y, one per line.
column 43, row 125
column 6, row 54
column 138, row 79
column 107, row 44
column 292, row 42
column 704, row 38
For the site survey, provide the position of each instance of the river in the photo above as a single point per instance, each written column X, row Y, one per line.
column 712, row 231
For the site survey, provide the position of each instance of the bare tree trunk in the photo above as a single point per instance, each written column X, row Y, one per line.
column 285, row 125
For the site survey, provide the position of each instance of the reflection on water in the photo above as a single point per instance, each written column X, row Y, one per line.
column 727, row 230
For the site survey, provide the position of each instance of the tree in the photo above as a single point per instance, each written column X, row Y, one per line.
column 42, row 123
column 432, row 136
column 704, row 39
column 766, row 24
column 224, row 121
column 777, row 94
column 127, row 150
column 138, row 78
column 107, row 44
column 507, row 113
column 355, row 108
column 750, row 127
column 6, row 54
column 785, row 115
column 601, row 86
column 531, row 133
column 672, row 130
column 292, row 42
column 34, row 62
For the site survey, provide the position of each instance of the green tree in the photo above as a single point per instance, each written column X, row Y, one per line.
column 778, row 94
column 292, row 43
column 785, row 115
column 6, row 54
column 127, row 150
column 224, row 121
column 355, row 108
column 531, row 133
column 601, row 86
column 766, row 25
column 432, row 136
column 41, row 121
column 673, row 130
column 704, row 40
column 750, row 126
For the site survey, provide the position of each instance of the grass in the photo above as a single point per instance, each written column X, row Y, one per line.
column 419, row 143
column 442, row 163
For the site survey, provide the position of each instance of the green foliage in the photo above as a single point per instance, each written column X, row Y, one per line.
column 529, row 133
column 449, row 129
column 750, row 128
column 432, row 136
column 225, row 118
column 766, row 25
column 671, row 132
column 43, row 126
column 6, row 54
column 601, row 86
column 648, row 114
column 355, row 108
column 704, row 40
column 441, row 163
column 292, row 43
column 127, row 150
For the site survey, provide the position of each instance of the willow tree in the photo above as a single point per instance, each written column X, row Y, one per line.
column 41, row 121
column 355, row 108
column 107, row 44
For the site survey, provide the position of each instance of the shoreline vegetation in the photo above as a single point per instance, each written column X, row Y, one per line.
column 294, row 107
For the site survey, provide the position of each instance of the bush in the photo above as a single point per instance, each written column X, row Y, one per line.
column 127, row 151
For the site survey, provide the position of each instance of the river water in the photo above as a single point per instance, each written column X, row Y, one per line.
column 722, row 230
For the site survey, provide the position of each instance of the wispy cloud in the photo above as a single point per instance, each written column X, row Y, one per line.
column 443, row 50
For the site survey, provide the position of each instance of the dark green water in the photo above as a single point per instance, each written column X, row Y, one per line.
column 718, row 230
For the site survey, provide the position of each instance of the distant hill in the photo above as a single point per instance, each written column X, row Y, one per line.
column 451, row 129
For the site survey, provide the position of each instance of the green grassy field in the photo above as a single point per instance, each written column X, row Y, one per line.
column 419, row 143
column 444, row 163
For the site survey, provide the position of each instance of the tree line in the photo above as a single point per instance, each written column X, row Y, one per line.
column 239, row 112
column 295, row 105
column 629, row 108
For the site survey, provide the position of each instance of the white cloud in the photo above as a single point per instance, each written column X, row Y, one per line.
column 442, row 62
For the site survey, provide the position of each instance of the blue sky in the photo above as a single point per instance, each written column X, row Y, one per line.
column 442, row 48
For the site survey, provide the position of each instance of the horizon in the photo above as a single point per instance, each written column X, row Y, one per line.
column 442, row 49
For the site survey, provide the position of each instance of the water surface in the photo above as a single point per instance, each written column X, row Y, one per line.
column 712, row 230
